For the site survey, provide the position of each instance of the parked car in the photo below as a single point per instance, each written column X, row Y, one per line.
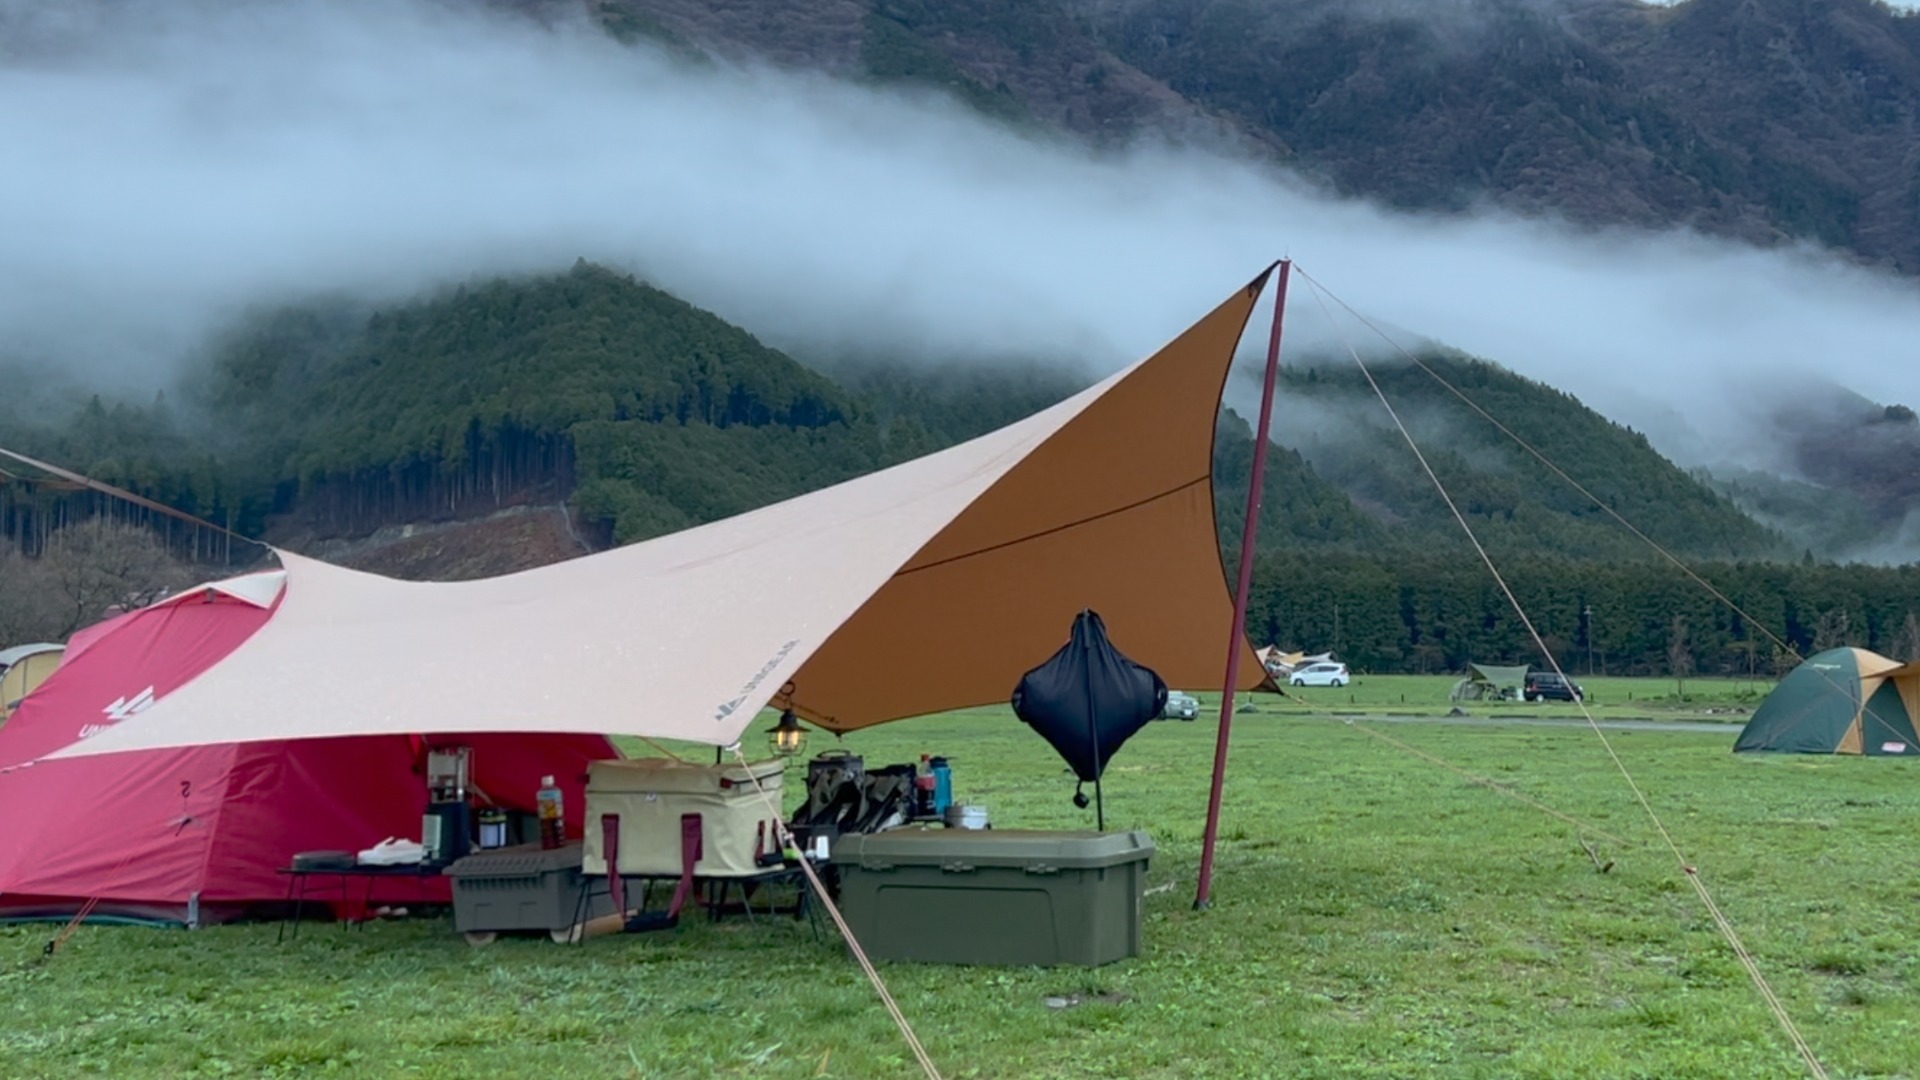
column 1180, row 706
column 1548, row 686
column 1326, row 673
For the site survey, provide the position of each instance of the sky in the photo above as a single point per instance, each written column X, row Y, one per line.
column 167, row 166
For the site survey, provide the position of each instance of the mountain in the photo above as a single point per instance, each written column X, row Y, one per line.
column 510, row 423
column 643, row 414
column 647, row 415
column 1339, row 439
column 1766, row 121
column 1763, row 120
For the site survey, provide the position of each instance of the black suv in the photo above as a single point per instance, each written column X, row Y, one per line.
column 1547, row 686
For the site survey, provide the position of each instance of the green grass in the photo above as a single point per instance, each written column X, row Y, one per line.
column 1608, row 697
column 1374, row 916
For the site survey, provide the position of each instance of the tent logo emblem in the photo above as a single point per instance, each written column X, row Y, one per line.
column 728, row 708
column 124, row 707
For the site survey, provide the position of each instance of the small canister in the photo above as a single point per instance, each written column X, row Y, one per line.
column 966, row 816
column 493, row 829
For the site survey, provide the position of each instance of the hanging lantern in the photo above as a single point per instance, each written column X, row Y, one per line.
column 787, row 737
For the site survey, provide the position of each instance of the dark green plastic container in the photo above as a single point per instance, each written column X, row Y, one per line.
column 994, row 896
column 526, row 887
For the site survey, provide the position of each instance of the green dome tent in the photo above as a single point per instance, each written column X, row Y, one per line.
column 1842, row 701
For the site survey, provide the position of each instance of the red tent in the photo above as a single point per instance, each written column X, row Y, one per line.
column 196, row 835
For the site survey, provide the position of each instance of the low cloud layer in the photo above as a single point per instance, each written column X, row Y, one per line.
column 167, row 165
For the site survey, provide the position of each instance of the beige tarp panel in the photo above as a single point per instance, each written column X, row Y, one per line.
column 929, row 586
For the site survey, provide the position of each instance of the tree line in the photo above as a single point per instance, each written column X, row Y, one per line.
column 1435, row 613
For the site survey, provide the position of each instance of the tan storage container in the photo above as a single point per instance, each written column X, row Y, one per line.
column 650, row 795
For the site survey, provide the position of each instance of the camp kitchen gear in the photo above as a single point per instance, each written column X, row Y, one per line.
column 448, row 770
column 446, row 830
column 323, row 860
column 960, row 816
column 553, row 815
column 1087, row 700
column 889, row 799
column 493, row 829
column 524, row 887
column 1005, row 897
column 649, row 796
column 844, row 796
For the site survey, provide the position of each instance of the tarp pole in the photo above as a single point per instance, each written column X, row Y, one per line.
column 1093, row 733
column 1248, row 533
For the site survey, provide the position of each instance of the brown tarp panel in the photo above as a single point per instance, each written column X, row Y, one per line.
column 1114, row 512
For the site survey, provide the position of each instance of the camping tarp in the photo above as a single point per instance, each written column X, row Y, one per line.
column 929, row 586
column 1500, row 675
column 168, row 833
column 1841, row 701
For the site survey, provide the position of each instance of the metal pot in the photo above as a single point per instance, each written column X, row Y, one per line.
column 961, row 816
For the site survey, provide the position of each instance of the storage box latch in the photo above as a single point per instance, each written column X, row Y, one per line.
column 957, row 867
column 1042, row 868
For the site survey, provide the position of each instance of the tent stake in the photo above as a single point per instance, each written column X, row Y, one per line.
column 1248, row 532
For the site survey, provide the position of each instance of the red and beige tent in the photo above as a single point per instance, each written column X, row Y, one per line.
column 195, row 834
column 925, row 587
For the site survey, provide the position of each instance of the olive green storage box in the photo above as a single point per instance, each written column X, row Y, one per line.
column 526, row 887
column 994, row 896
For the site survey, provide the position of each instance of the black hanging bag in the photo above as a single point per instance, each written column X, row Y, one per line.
column 1088, row 699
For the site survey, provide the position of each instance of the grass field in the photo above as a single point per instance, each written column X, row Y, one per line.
column 1717, row 699
column 1375, row 916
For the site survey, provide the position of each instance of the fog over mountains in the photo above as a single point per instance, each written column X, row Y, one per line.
column 173, row 166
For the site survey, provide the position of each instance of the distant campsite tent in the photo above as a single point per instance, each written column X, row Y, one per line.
column 1489, row 682
column 22, row 668
column 1280, row 664
column 196, row 835
column 1842, row 701
column 929, row 586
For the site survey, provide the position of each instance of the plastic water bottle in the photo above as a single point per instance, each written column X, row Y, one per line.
column 553, row 827
column 942, row 785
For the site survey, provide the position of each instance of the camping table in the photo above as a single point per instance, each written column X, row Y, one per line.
column 297, row 877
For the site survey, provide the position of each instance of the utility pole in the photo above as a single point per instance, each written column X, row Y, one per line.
column 1587, row 613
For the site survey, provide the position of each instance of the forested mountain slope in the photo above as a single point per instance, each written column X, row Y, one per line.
column 1761, row 119
column 1514, row 501
column 649, row 415
column 343, row 429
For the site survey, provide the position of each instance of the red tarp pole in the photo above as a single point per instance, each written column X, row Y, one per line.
column 1247, row 535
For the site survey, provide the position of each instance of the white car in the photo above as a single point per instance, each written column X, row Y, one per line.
column 1180, row 706
column 1323, row 674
